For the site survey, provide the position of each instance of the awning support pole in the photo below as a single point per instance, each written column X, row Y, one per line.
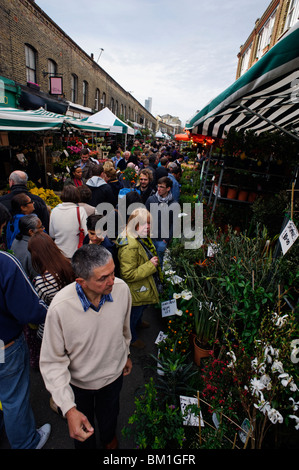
column 268, row 120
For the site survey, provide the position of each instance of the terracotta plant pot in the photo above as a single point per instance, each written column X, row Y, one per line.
column 252, row 197
column 199, row 352
column 232, row 193
column 243, row 195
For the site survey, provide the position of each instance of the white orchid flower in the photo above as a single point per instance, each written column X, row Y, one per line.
column 256, row 386
column 176, row 296
column 232, row 355
column 186, row 295
column 176, row 279
column 254, row 364
column 285, row 379
column 294, row 404
column 170, row 272
column 179, row 313
column 274, row 416
column 277, row 366
column 297, row 421
column 293, row 386
column 266, row 380
column 263, row 406
column 278, row 320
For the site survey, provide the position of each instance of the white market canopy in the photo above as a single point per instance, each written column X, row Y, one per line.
column 265, row 98
column 159, row 135
column 12, row 119
column 106, row 117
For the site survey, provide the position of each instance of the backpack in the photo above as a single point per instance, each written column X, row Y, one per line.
column 12, row 229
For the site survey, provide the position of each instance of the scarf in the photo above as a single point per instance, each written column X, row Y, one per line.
column 166, row 199
column 77, row 182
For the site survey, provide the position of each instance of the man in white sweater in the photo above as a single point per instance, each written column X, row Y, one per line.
column 85, row 348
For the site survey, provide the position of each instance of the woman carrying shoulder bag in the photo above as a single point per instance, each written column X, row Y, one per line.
column 139, row 268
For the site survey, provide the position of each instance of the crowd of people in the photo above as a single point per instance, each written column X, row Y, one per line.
column 72, row 294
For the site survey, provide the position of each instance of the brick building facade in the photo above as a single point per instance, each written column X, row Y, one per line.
column 274, row 23
column 34, row 48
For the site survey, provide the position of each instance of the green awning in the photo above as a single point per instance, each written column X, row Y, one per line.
column 12, row 119
column 263, row 99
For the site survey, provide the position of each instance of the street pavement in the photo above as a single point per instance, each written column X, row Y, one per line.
column 143, row 368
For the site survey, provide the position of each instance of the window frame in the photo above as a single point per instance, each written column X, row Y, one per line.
column 31, row 75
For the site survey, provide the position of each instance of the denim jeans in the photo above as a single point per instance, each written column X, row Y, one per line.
column 160, row 246
column 102, row 405
column 135, row 319
column 15, row 397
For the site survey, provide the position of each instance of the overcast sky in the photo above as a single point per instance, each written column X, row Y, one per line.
column 181, row 54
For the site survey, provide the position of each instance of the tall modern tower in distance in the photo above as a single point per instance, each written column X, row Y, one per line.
column 148, row 105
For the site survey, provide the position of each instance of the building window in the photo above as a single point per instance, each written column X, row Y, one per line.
column 265, row 36
column 245, row 60
column 52, row 70
column 112, row 105
column 30, row 54
column 97, row 100
column 74, row 88
column 293, row 13
column 116, row 108
column 85, row 93
column 52, row 67
column 103, row 102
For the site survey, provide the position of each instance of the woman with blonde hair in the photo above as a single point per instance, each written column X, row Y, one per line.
column 139, row 268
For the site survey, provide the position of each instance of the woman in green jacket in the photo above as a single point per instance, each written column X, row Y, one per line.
column 139, row 267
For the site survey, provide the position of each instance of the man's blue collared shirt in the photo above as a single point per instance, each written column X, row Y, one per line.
column 86, row 304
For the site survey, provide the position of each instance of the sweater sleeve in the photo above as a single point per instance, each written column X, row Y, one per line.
column 54, row 363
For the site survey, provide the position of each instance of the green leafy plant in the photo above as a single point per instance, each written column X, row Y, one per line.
column 175, row 371
column 155, row 425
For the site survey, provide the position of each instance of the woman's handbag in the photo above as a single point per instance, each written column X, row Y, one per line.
column 81, row 231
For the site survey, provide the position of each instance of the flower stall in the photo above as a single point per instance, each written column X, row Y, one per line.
column 236, row 297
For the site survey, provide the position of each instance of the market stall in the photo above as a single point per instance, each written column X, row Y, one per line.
column 263, row 99
column 32, row 132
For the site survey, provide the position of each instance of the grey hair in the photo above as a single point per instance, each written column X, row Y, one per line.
column 172, row 166
column 26, row 223
column 89, row 257
column 18, row 177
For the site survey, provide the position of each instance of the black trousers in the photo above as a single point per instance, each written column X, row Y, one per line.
column 101, row 405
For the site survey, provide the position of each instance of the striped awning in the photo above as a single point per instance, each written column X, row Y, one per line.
column 265, row 98
column 12, row 119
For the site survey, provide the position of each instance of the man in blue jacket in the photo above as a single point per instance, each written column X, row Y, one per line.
column 174, row 175
column 19, row 305
column 162, row 207
column 18, row 184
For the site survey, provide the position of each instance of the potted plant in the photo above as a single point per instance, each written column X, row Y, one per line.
column 204, row 329
column 155, row 425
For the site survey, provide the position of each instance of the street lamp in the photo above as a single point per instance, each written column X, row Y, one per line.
column 101, row 49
